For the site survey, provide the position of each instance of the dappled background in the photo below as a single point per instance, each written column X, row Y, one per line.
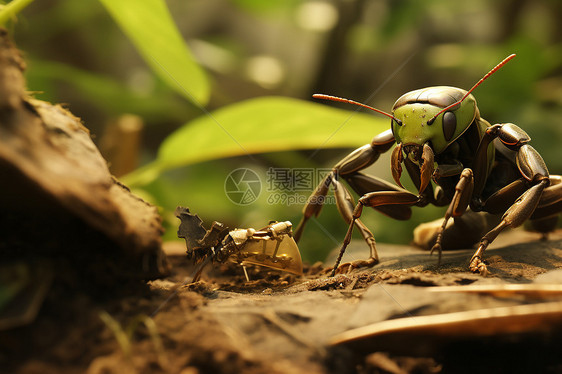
column 155, row 131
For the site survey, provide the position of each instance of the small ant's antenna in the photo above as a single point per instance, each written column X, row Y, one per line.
column 348, row 101
column 496, row 68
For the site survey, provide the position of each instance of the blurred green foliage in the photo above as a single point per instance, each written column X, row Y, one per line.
column 200, row 88
column 267, row 124
column 101, row 91
column 149, row 25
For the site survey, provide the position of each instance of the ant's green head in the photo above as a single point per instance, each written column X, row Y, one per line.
column 418, row 116
column 426, row 121
column 435, row 115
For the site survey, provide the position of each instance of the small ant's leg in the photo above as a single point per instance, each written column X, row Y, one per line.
column 458, row 205
column 246, row 273
column 199, row 269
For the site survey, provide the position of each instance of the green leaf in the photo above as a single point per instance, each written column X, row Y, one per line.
column 267, row 124
column 10, row 10
column 270, row 6
column 150, row 27
column 105, row 92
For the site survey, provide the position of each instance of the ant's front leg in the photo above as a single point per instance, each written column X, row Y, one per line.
column 372, row 199
column 346, row 206
column 357, row 160
column 458, row 205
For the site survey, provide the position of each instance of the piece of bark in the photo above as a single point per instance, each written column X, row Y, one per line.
column 57, row 196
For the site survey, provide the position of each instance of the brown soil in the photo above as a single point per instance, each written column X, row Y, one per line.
column 279, row 323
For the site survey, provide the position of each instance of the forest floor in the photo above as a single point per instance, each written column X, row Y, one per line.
column 69, row 231
column 280, row 323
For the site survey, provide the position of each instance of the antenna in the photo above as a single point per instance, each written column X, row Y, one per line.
column 496, row 68
column 348, row 101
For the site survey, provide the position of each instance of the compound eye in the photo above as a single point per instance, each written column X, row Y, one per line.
column 395, row 122
column 449, row 125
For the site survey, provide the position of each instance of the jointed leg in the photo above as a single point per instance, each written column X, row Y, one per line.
column 534, row 172
column 519, row 212
column 545, row 216
column 461, row 198
column 357, row 160
column 314, row 204
column 345, row 206
column 373, row 199
column 537, row 203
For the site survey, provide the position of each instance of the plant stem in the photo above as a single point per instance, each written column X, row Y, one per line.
column 11, row 9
